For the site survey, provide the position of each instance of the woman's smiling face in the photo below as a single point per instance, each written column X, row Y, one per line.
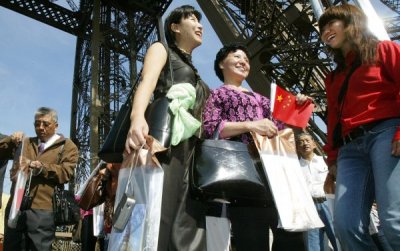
column 236, row 64
column 333, row 35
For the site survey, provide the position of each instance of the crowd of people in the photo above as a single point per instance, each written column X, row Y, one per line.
column 362, row 168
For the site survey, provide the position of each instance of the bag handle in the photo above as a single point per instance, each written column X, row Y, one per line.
column 60, row 153
column 216, row 132
column 130, row 171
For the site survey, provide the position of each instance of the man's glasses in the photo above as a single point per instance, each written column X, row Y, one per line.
column 38, row 123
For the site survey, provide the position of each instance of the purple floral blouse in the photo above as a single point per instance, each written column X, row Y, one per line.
column 228, row 104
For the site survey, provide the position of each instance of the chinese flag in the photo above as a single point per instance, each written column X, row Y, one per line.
column 285, row 109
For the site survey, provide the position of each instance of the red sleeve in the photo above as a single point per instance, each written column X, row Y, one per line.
column 389, row 55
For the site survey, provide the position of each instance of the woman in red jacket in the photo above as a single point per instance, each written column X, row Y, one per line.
column 363, row 127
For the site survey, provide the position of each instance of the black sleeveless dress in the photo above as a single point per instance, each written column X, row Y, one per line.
column 182, row 224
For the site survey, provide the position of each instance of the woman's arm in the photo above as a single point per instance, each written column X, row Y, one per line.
column 264, row 127
column 154, row 61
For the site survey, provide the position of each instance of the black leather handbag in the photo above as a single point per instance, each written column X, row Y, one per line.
column 66, row 210
column 228, row 170
column 158, row 117
column 114, row 144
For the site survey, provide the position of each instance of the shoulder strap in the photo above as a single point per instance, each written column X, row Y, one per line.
column 60, row 153
column 345, row 85
column 169, row 63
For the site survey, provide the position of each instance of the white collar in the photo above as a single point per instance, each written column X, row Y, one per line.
column 51, row 140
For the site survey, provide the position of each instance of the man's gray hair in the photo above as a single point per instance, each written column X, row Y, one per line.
column 42, row 111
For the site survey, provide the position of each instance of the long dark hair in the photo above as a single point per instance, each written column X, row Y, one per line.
column 175, row 17
column 362, row 41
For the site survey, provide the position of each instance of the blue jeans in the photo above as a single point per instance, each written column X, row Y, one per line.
column 367, row 171
column 315, row 238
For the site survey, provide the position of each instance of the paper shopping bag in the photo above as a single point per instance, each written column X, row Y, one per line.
column 141, row 176
column 19, row 188
column 292, row 198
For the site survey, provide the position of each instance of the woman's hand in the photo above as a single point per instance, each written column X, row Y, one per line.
column 137, row 134
column 264, row 127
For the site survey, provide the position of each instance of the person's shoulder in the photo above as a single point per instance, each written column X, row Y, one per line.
column 67, row 142
column 159, row 46
column 71, row 143
column 388, row 45
column 319, row 159
column 217, row 90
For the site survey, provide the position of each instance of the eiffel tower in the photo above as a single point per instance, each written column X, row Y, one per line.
column 113, row 36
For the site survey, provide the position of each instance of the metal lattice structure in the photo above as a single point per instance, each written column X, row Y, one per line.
column 112, row 37
column 126, row 29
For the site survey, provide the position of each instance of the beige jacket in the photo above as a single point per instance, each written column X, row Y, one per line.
column 58, row 167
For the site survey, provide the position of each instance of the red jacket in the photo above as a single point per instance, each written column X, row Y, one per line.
column 373, row 93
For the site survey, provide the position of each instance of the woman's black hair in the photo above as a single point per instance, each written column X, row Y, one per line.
column 223, row 53
column 175, row 17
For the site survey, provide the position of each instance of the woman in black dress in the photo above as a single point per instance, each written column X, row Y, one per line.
column 182, row 219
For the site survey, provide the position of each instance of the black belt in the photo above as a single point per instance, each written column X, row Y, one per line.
column 360, row 131
column 319, row 199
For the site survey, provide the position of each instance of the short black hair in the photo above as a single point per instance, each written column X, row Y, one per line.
column 223, row 53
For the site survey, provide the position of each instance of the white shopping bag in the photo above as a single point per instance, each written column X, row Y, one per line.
column 19, row 187
column 218, row 232
column 292, row 198
column 98, row 220
column 146, row 184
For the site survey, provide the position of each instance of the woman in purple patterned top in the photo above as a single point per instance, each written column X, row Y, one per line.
column 233, row 109
column 235, row 112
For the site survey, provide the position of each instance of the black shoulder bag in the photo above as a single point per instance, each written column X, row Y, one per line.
column 65, row 208
column 158, row 116
column 337, row 132
column 229, row 170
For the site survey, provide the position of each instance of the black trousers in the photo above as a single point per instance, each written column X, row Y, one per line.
column 35, row 231
column 250, row 230
column 88, row 240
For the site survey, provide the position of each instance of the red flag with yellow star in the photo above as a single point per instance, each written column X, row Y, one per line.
column 285, row 109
